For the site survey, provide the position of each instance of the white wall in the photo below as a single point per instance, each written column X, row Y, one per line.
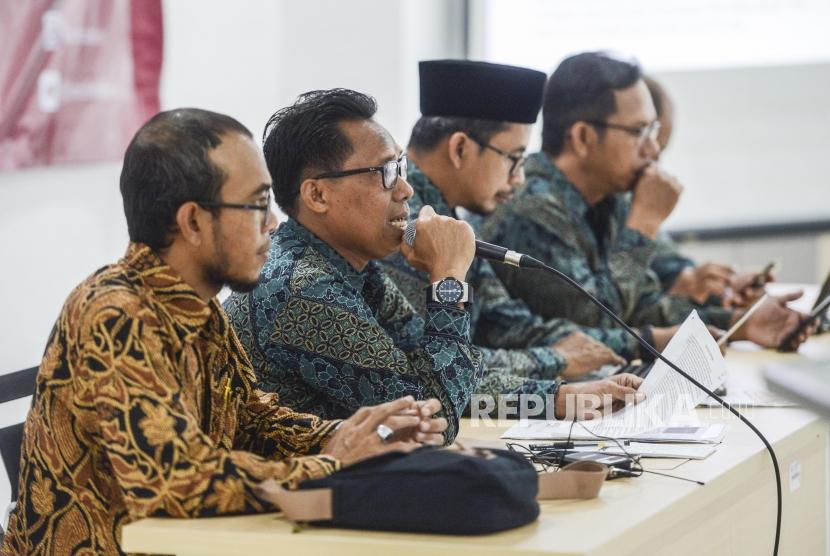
column 246, row 59
column 751, row 145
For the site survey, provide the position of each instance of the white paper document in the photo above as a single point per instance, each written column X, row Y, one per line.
column 654, row 450
column 668, row 394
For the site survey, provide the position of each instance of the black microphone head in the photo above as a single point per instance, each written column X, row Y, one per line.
column 409, row 233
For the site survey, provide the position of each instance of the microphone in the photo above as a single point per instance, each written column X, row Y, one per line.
column 485, row 250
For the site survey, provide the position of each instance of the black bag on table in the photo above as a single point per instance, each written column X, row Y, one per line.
column 434, row 490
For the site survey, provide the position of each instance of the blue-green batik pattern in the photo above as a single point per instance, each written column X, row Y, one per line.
column 497, row 321
column 668, row 263
column 330, row 339
column 501, row 322
column 548, row 220
column 510, row 336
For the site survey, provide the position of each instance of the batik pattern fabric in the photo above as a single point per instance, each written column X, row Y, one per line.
column 668, row 262
column 509, row 335
column 551, row 221
column 145, row 406
column 512, row 335
column 330, row 339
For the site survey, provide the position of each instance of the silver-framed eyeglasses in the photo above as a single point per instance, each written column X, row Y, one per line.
column 648, row 131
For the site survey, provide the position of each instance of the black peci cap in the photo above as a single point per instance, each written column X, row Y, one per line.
column 481, row 90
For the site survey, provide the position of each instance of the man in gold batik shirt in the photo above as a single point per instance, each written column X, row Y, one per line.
column 145, row 402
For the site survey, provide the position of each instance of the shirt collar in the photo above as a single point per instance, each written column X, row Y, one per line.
column 426, row 192
column 190, row 312
column 291, row 229
column 540, row 165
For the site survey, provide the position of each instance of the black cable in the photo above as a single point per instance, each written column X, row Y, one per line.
column 529, row 262
column 553, row 458
column 612, row 439
column 701, row 483
column 543, row 460
column 570, row 432
column 636, row 461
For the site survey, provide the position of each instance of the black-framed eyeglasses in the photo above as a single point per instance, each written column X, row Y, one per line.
column 649, row 131
column 264, row 207
column 517, row 161
column 390, row 171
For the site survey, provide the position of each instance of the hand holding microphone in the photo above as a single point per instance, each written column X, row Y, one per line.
column 445, row 245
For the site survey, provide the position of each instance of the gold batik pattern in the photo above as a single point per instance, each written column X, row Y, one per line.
column 145, row 406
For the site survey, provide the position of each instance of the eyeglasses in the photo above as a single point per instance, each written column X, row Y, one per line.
column 390, row 171
column 642, row 133
column 264, row 207
column 517, row 161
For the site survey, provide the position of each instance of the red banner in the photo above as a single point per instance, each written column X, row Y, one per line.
column 77, row 78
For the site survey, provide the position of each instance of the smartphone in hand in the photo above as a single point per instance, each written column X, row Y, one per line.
column 764, row 276
column 815, row 314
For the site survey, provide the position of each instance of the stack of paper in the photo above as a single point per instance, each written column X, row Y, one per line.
column 654, row 450
column 668, row 395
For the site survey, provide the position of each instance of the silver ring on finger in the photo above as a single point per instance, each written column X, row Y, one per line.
column 384, row 432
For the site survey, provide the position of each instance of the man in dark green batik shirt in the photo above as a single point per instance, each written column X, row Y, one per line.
column 471, row 155
column 599, row 145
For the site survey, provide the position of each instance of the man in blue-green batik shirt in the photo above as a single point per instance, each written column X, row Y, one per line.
column 598, row 146
column 326, row 328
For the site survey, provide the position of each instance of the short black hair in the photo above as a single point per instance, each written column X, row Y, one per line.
column 581, row 89
column 167, row 164
column 430, row 130
column 306, row 138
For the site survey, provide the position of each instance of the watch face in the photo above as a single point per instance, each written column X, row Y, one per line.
column 449, row 290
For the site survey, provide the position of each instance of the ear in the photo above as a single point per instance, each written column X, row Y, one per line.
column 315, row 195
column 193, row 222
column 583, row 137
column 457, row 146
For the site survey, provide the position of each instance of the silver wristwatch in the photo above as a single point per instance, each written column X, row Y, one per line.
column 449, row 291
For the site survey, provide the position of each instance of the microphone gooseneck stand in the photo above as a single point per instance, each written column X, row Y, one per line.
column 505, row 256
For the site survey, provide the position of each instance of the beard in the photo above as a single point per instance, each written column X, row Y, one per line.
column 219, row 275
column 219, row 272
column 242, row 287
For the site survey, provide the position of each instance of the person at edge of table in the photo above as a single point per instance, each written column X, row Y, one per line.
column 598, row 147
column 145, row 402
